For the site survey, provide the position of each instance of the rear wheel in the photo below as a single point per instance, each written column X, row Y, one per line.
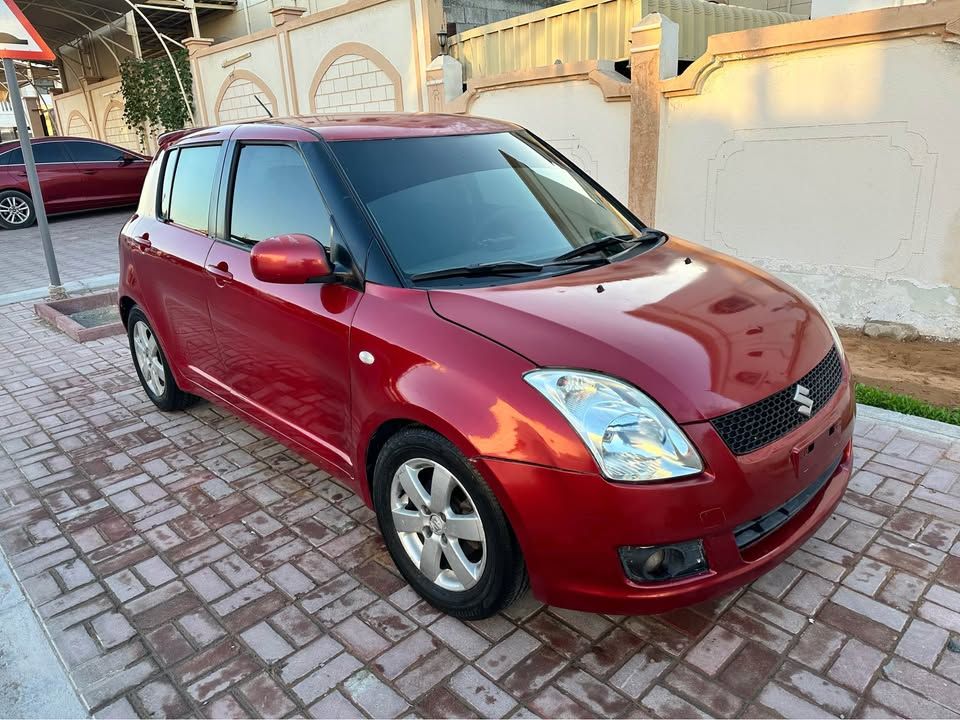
column 444, row 528
column 16, row 210
column 152, row 366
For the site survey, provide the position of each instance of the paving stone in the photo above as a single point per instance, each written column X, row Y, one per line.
column 266, row 643
column 922, row 643
column 481, row 694
column 667, row 704
column 714, row 650
column 370, row 693
column 326, row 677
column 334, row 705
column 856, row 665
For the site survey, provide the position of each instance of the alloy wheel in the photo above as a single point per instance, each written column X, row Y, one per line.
column 438, row 524
column 14, row 210
column 148, row 358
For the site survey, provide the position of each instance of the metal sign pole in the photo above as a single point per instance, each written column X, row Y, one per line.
column 13, row 87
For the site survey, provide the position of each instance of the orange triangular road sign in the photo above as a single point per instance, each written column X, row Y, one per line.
column 18, row 38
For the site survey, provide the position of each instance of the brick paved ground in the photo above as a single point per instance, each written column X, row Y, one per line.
column 86, row 246
column 186, row 565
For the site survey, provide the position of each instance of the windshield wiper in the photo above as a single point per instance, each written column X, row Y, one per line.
column 507, row 267
column 648, row 235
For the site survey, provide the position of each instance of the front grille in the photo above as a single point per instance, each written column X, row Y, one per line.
column 754, row 426
column 755, row 530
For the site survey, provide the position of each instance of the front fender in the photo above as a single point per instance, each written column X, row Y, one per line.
column 466, row 387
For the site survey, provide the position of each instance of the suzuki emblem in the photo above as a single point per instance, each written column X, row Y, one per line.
column 803, row 400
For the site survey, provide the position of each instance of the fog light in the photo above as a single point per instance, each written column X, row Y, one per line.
column 664, row 562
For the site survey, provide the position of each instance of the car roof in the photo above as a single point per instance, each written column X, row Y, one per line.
column 356, row 126
column 52, row 138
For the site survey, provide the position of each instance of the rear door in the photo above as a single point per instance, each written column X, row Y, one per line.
column 111, row 175
column 284, row 347
column 169, row 253
column 59, row 178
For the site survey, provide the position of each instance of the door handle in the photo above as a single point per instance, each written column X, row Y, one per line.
column 143, row 241
column 88, row 172
column 220, row 272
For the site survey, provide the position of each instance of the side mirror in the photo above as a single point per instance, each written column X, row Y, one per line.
column 127, row 159
column 291, row 260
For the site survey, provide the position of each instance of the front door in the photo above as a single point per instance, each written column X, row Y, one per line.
column 284, row 348
column 111, row 175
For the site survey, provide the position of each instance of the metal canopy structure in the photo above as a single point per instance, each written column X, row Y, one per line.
column 65, row 22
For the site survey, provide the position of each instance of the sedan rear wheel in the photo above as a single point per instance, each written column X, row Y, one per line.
column 444, row 528
column 16, row 210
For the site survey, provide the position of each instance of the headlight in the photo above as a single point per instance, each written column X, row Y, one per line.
column 632, row 439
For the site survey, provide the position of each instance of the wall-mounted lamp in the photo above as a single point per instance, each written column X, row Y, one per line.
column 442, row 40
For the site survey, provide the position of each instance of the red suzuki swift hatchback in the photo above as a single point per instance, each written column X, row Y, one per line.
column 525, row 382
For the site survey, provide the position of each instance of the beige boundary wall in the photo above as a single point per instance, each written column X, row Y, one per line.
column 362, row 56
column 826, row 151
column 96, row 111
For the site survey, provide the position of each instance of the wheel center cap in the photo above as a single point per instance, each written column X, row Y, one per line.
column 438, row 524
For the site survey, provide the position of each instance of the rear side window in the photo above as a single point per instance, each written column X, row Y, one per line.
column 274, row 193
column 43, row 153
column 193, row 179
column 94, row 152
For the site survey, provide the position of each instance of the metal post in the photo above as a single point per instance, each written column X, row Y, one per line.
column 56, row 287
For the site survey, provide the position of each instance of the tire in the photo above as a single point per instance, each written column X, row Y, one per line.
column 16, row 210
column 157, row 380
column 490, row 573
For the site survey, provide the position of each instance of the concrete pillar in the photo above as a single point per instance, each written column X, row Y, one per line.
column 654, row 50
column 444, row 82
column 195, row 45
column 285, row 14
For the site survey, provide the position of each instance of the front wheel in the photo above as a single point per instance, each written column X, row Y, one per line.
column 444, row 528
column 16, row 210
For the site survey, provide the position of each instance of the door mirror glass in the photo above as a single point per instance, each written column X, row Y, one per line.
column 291, row 260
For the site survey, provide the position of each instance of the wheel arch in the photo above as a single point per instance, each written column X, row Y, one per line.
column 126, row 304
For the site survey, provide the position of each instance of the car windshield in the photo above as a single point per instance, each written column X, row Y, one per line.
column 467, row 200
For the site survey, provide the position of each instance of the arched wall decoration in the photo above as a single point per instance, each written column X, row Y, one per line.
column 237, row 99
column 116, row 130
column 354, row 77
column 77, row 125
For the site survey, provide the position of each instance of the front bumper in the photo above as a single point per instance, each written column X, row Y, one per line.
column 571, row 525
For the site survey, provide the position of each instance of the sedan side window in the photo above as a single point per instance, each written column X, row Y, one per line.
column 49, row 152
column 274, row 193
column 193, row 181
column 88, row 151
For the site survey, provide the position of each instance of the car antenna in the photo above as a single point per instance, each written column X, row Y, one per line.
column 265, row 108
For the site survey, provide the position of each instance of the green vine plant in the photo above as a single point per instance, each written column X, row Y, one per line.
column 152, row 101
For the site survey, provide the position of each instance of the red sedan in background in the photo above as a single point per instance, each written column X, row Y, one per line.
column 75, row 174
column 517, row 374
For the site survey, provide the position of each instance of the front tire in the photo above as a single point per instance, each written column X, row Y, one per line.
column 16, row 210
column 152, row 366
column 444, row 528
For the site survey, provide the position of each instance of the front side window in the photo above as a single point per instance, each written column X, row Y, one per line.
column 443, row 202
column 48, row 152
column 94, row 152
column 193, row 180
column 274, row 194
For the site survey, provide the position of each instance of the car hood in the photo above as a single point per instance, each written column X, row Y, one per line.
column 700, row 332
